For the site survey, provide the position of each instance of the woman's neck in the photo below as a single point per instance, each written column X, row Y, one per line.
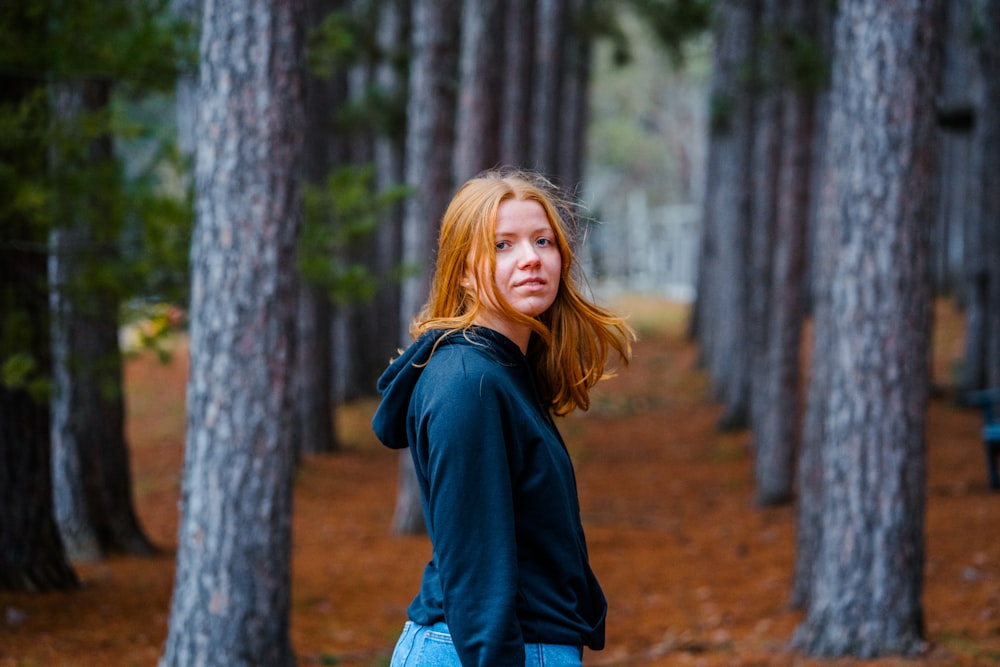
column 517, row 333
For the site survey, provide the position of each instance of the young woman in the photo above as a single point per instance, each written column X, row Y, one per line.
column 505, row 341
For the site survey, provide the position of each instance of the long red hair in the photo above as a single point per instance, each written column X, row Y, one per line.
column 573, row 337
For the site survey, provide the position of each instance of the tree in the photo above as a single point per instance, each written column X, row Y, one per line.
column 231, row 593
column 429, row 148
column 518, row 56
column 574, row 97
column 390, row 156
column 31, row 552
column 90, row 461
column 325, row 150
column 797, row 71
column 982, row 357
column 32, row 557
column 761, row 230
column 477, row 121
column 809, row 464
column 878, row 199
column 551, row 27
column 106, row 209
column 83, row 198
column 719, row 321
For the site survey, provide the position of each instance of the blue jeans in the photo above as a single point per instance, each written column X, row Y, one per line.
column 431, row 646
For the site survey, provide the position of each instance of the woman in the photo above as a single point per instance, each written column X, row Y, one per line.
column 505, row 341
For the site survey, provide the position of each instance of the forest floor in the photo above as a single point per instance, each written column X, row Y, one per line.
column 695, row 574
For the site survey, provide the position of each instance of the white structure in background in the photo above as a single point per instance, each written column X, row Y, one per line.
column 651, row 249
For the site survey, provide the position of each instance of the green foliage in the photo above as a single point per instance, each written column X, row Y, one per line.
column 601, row 20
column 341, row 39
column 20, row 368
column 133, row 216
column 344, row 39
column 801, row 62
column 339, row 215
column 377, row 110
column 23, row 195
column 156, row 235
column 331, row 44
column 642, row 113
column 720, row 112
column 675, row 22
column 136, row 43
column 20, row 371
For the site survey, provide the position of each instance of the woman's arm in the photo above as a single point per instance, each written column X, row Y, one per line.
column 462, row 440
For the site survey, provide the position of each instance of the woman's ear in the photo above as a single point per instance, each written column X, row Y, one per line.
column 469, row 278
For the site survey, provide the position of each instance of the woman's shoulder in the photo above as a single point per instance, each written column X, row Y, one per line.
column 469, row 357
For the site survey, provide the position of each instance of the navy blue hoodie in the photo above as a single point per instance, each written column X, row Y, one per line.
column 509, row 562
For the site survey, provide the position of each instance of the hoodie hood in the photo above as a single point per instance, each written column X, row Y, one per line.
column 396, row 386
column 397, row 382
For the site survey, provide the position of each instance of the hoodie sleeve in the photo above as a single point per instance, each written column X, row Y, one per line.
column 461, row 443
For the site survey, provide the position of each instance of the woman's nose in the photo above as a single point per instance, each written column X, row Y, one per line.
column 529, row 254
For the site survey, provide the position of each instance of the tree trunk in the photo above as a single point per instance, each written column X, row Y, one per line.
column 765, row 155
column 518, row 58
column 429, row 149
column 357, row 359
column 314, row 339
column 821, row 244
column 31, row 552
column 551, row 19
column 721, row 325
column 32, row 558
column 186, row 90
column 389, row 167
column 957, row 111
column 574, row 100
column 477, row 120
column 315, row 408
column 232, row 588
column 866, row 595
column 92, row 479
column 777, row 380
column 961, row 118
column 990, row 147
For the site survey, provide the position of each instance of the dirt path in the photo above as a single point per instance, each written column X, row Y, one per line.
column 695, row 574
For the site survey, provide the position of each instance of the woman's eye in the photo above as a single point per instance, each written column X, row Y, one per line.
column 544, row 242
column 502, row 245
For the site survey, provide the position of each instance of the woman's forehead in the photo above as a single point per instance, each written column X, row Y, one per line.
column 522, row 213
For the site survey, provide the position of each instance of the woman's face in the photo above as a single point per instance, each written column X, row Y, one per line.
column 528, row 261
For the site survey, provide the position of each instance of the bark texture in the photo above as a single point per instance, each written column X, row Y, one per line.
column 867, row 578
column 232, row 587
